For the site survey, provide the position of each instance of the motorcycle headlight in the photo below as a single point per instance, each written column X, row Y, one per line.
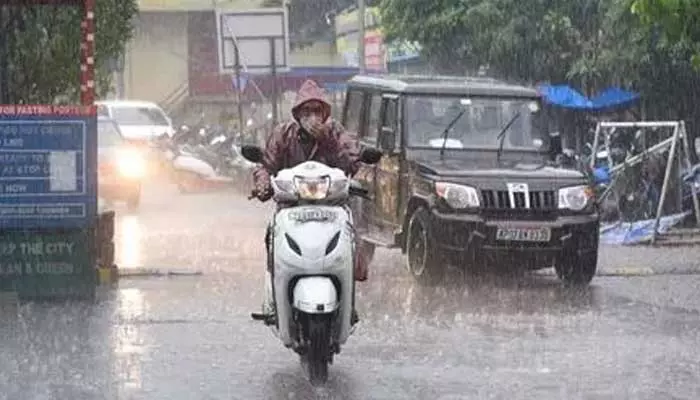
column 458, row 196
column 312, row 188
column 575, row 198
column 131, row 164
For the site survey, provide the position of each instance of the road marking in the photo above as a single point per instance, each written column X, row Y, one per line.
column 138, row 272
column 633, row 271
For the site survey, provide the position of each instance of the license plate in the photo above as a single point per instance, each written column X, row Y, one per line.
column 524, row 234
column 312, row 215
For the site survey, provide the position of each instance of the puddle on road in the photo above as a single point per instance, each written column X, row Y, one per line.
column 128, row 239
column 129, row 342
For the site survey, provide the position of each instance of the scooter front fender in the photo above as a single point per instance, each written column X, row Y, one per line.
column 315, row 295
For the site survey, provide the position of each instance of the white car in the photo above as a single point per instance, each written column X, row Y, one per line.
column 137, row 120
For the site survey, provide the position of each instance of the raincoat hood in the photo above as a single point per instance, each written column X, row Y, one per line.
column 310, row 91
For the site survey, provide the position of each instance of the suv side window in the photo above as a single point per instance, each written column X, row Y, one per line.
column 390, row 120
column 352, row 118
column 373, row 123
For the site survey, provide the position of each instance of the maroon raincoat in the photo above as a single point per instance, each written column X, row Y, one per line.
column 285, row 149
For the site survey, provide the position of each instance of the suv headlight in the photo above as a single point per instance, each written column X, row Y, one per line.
column 575, row 198
column 457, row 196
column 312, row 188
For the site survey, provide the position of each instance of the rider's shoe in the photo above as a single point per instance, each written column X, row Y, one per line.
column 268, row 319
column 268, row 315
column 354, row 317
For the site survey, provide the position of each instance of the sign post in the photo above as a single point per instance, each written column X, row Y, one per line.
column 256, row 41
column 48, row 186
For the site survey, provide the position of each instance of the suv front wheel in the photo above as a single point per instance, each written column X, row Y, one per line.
column 577, row 270
column 422, row 258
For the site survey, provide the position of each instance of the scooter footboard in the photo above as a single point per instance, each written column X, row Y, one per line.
column 315, row 295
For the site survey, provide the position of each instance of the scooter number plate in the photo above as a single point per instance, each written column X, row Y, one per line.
column 312, row 215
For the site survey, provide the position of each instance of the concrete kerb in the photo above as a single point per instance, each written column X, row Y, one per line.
column 142, row 272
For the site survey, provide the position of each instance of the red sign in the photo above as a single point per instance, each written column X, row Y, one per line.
column 374, row 51
column 42, row 2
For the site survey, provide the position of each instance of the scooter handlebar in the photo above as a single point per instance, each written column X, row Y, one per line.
column 354, row 190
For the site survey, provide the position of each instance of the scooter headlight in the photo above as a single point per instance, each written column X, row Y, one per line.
column 312, row 188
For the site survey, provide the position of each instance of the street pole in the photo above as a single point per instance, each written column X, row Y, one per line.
column 239, row 89
column 273, row 64
column 4, row 55
column 361, row 39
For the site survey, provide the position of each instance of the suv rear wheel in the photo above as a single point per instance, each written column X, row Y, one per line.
column 422, row 257
column 577, row 270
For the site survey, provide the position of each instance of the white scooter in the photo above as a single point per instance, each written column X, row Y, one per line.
column 311, row 255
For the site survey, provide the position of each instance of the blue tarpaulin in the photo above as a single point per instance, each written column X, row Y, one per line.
column 566, row 97
column 614, row 97
column 628, row 233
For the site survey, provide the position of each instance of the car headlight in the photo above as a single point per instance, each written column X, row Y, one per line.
column 131, row 164
column 312, row 188
column 458, row 196
column 575, row 198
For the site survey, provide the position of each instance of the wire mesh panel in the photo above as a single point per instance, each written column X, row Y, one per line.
column 647, row 165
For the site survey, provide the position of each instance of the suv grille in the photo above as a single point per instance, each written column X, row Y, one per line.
column 498, row 199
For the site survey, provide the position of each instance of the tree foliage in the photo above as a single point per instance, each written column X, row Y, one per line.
column 43, row 48
column 679, row 21
column 590, row 44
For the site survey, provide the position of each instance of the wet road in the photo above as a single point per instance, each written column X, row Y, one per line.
column 189, row 337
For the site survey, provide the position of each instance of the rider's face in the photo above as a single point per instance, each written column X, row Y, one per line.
column 312, row 110
column 311, row 116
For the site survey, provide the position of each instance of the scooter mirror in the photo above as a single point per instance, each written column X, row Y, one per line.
column 370, row 155
column 252, row 153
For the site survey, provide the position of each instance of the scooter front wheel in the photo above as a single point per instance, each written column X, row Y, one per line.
column 317, row 357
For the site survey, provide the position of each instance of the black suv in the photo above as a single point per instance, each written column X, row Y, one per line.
column 465, row 178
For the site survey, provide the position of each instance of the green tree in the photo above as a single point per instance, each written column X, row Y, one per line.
column 590, row 44
column 678, row 20
column 529, row 41
column 43, row 48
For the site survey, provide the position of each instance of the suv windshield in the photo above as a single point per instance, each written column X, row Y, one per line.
column 108, row 135
column 428, row 116
column 131, row 115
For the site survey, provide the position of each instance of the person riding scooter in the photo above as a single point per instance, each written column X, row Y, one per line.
column 311, row 134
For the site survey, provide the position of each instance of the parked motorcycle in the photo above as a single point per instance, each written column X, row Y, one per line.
column 311, row 255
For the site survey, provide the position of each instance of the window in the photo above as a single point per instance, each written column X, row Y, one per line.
column 130, row 115
column 390, row 119
column 375, row 106
column 475, row 122
column 390, row 115
column 108, row 135
column 102, row 111
column 353, row 111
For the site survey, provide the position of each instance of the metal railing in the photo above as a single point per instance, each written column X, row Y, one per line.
column 176, row 98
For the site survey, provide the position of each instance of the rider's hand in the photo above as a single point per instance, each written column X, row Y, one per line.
column 263, row 192
column 319, row 129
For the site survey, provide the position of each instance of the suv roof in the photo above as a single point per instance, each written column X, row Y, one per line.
column 453, row 85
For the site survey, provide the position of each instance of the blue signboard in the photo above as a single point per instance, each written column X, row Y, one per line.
column 48, row 166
